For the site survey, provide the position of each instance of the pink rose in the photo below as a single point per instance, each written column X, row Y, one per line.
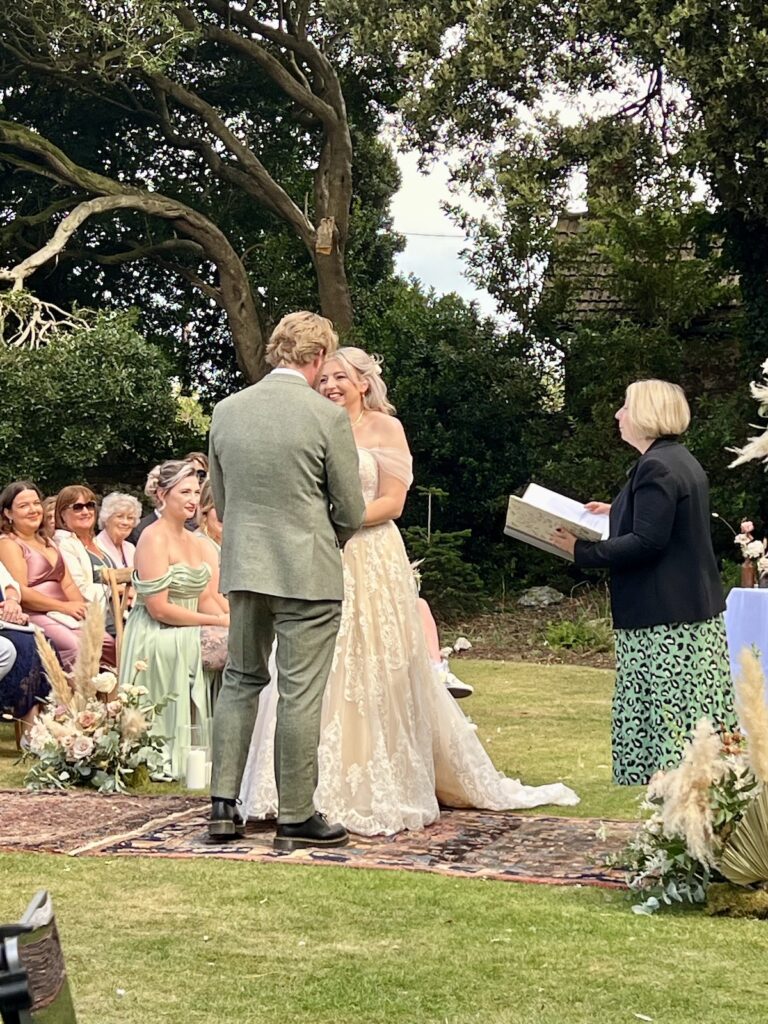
column 747, row 527
column 88, row 719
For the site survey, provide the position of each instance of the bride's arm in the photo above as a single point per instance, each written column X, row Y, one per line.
column 390, row 501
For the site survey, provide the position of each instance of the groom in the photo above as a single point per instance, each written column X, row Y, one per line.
column 284, row 474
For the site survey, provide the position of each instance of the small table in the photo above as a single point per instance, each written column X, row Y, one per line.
column 746, row 623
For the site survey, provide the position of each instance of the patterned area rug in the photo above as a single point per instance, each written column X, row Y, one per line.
column 65, row 822
column 481, row 844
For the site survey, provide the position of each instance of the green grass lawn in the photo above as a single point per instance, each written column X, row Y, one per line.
column 244, row 943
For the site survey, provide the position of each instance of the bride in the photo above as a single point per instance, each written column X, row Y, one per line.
column 394, row 744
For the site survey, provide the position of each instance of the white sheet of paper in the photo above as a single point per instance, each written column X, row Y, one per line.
column 566, row 508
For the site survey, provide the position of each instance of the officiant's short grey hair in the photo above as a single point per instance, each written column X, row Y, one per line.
column 657, row 408
column 299, row 337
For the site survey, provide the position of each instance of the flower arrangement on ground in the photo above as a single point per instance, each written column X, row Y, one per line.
column 92, row 732
column 709, row 814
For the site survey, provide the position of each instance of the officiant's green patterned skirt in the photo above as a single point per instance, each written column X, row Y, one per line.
column 667, row 678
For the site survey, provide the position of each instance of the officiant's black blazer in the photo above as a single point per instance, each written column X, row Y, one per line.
column 659, row 550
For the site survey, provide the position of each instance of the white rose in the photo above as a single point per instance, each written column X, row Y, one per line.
column 755, row 549
column 140, row 666
column 82, row 747
column 104, row 682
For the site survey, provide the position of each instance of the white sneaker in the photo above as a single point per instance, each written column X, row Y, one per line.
column 456, row 687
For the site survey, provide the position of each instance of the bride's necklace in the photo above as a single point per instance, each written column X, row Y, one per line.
column 359, row 418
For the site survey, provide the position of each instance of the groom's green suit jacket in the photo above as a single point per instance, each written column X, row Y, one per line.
column 284, row 475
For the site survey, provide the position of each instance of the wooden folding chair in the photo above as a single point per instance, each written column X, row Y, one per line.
column 114, row 579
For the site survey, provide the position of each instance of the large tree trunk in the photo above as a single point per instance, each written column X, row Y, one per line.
column 333, row 289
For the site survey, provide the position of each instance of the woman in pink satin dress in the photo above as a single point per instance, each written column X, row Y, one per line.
column 48, row 594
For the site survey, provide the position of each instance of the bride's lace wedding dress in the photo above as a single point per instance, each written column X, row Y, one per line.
column 394, row 743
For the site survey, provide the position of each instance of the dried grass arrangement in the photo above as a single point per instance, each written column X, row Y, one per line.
column 709, row 814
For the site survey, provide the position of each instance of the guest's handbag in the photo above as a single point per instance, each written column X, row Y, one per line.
column 66, row 620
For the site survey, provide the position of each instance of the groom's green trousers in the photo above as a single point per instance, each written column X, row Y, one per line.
column 306, row 634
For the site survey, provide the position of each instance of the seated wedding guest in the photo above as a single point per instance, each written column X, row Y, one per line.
column 213, row 639
column 200, row 461
column 207, row 518
column 176, row 582
column 666, row 596
column 75, row 538
column 150, row 489
column 455, row 686
column 118, row 516
column 49, row 595
column 49, row 516
column 23, row 685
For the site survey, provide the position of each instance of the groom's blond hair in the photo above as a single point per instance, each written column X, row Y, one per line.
column 299, row 337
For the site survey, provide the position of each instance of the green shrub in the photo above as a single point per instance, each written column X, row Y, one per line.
column 580, row 634
column 451, row 585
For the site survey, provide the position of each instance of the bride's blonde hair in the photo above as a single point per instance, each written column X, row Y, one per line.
column 367, row 368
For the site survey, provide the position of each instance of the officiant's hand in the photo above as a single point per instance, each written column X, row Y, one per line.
column 563, row 539
column 598, row 508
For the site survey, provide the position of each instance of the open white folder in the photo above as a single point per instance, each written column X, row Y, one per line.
column 534, row 517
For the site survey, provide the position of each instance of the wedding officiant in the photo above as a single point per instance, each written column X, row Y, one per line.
column 666, row 596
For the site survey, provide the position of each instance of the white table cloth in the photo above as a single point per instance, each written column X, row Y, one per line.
column 746, row 624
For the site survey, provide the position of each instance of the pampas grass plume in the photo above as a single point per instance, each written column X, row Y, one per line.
column 53, row 670
column 89, row 651
column 686, row 811
column 133, row 724
column 753, row 711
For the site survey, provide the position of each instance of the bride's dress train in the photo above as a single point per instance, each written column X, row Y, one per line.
column 394, row 744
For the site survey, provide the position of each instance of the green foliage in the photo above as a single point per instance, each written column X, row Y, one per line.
column 94, row 405
column 581, row 634
column 472, row 405
column 449, row 583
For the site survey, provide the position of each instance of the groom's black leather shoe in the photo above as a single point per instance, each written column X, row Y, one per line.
column 315, row 831
column 225, row 822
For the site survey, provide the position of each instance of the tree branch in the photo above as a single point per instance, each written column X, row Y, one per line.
column 293, row 88
column 68, row 226
column 272, row 195
column 183, row 245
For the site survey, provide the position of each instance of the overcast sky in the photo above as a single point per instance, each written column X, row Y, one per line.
column 434, row 242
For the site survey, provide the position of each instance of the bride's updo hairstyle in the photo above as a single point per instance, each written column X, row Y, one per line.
column 299, row 337
column 168, row 475
column 367, row 368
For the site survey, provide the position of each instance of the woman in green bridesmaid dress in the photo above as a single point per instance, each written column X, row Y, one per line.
column 176, row 582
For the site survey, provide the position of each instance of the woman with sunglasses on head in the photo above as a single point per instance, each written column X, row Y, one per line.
column 49, row 595
column 176, row 580
column 75, row 538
